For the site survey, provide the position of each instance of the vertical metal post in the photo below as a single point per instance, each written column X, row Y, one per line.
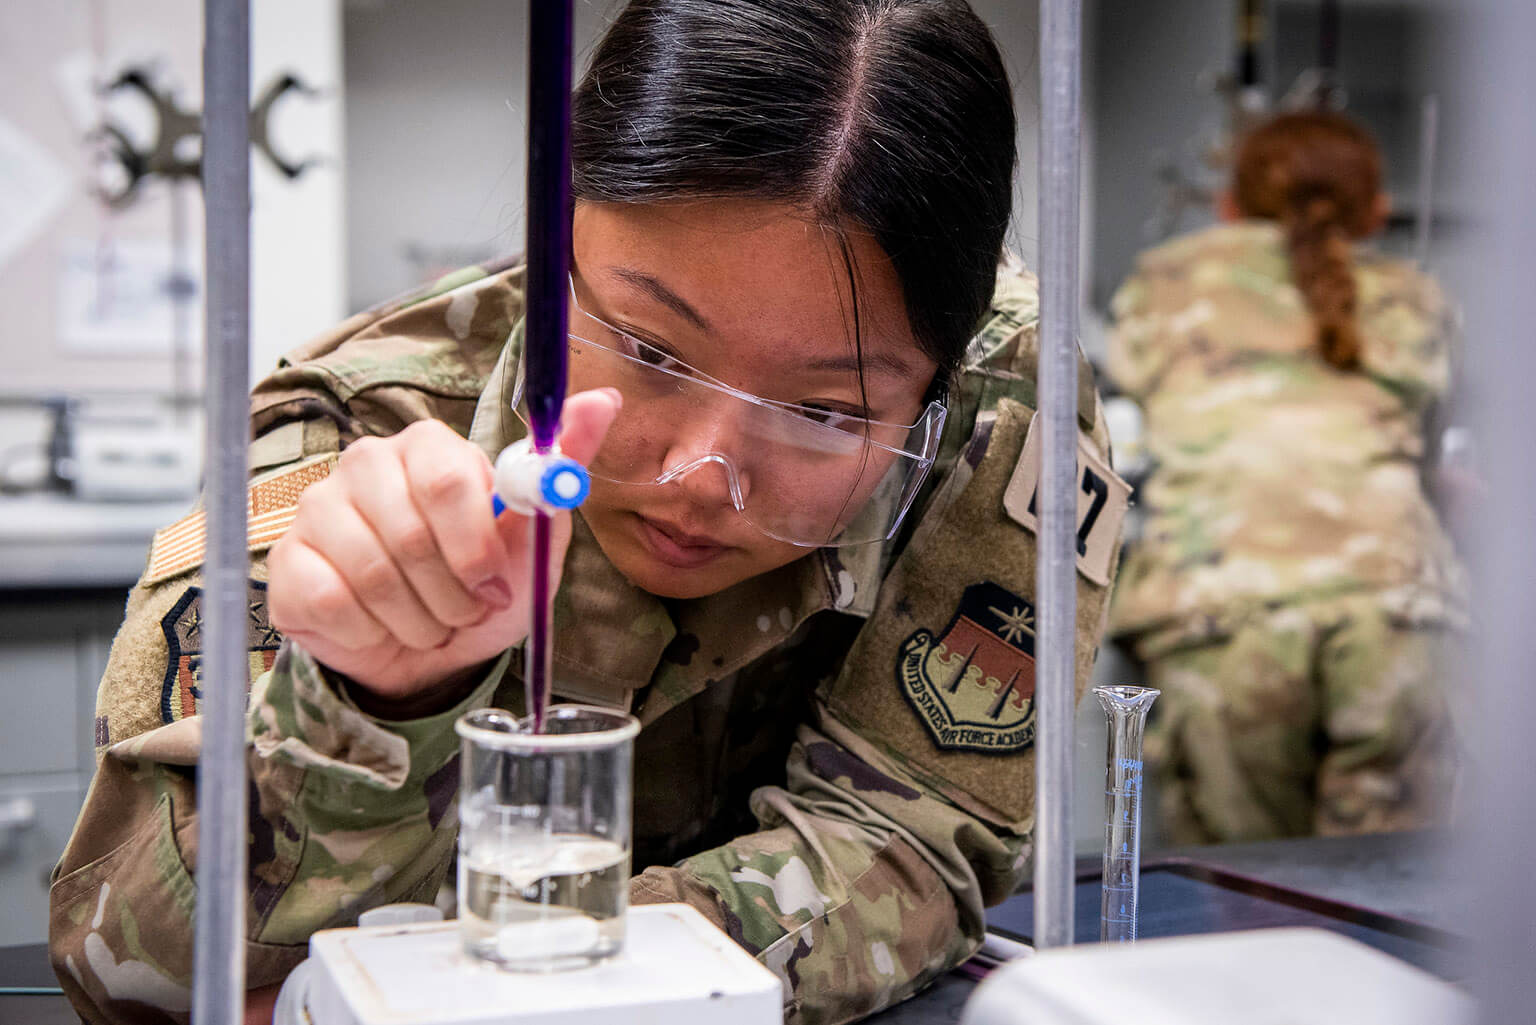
column 218, row 988
column 1055, row 580
column 1429, row 139
column 1495, row 116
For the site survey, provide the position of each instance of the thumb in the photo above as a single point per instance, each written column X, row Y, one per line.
column 585, row 420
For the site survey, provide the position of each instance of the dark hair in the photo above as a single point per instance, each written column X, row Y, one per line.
column 1319, row 175
column 889, row 116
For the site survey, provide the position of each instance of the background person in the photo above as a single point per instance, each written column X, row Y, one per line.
column 1294, row 594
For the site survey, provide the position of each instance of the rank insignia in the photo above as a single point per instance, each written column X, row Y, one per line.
column 974, row 684
column 181, row 693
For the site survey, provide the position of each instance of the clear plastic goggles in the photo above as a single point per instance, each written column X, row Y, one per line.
column 802, row 475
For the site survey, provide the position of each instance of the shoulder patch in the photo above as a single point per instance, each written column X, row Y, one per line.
column 181, row 691
column 1103, row 499
column 973, row 686
column 270, row 506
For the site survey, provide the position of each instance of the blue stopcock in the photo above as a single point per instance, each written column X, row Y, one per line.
column 564, row 483
column 528, row 481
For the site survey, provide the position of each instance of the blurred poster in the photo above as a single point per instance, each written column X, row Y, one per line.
column 33, row 186
column 120, row 296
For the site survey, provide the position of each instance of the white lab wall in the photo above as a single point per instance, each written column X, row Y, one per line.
column 436, row 121
column 298, row 228
column 49, row 56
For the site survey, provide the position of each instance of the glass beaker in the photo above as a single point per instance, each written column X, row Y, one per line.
column 544, row 836
column 1125, row 709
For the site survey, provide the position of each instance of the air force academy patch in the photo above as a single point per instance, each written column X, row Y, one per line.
column 974, row 685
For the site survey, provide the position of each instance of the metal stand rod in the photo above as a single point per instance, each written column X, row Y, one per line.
column 1429, row 140
column 1055, row 580
column 1495, row 161
column 218, row 989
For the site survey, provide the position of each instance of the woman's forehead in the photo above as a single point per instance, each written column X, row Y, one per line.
column 733, row 267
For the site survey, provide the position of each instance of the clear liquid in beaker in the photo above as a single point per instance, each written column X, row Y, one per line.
column 545, row 903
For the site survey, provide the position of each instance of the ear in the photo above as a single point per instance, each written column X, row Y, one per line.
column 1226, row 207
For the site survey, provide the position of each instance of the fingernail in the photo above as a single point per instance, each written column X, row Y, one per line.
column 616, row 395
column 495, row 592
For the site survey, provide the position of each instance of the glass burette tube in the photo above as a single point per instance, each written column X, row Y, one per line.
column 1125, row 713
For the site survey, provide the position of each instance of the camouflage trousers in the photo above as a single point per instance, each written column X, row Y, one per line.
column 1329, row 717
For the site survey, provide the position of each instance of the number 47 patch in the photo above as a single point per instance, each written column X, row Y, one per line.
column 1102, row 501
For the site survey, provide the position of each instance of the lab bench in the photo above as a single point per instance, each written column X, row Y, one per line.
column 1403, row 875
column 1395, row 874
column 53, row 541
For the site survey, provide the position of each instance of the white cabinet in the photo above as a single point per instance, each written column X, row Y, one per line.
column 53, row 648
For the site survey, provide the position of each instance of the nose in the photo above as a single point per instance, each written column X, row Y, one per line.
column 704, row 456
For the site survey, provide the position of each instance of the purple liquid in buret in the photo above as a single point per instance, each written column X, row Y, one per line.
column 538, row 661
column 549, row 247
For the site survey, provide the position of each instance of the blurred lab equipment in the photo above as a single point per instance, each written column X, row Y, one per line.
column 114, row 461
column 177, row 149
column 1268, row 977
column 17, row 815
column 1125, row 712
column 676, row 968
column 1252, row 89
column 105, row 449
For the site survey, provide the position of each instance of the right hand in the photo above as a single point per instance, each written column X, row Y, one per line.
column 396, row 575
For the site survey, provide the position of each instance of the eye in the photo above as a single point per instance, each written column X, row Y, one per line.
column 838, row 418
column 645, row 352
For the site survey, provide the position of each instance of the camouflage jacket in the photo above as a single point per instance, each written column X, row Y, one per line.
column 1277, row 478
column 819, row 765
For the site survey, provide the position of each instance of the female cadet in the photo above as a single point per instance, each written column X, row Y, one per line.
column 803, row 387
column 1294, row 592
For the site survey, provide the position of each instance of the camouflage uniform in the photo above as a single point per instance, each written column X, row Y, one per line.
column 1293, row 592
column 818, row 771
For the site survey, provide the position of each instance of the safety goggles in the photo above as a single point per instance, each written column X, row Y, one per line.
column 799, row 474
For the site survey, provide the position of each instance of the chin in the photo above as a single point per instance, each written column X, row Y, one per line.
column 669, row 582
column 664, row 581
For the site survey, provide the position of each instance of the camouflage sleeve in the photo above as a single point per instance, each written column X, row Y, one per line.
column 1413, row 331
column 346, row 811
column 862, row 887
column 1135, row 355
column 909, row 801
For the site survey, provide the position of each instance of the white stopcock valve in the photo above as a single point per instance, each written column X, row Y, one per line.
column 528, row 481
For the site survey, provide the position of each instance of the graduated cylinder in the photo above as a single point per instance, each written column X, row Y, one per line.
column 1125, row 711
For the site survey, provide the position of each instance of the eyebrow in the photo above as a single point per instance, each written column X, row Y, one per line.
column 880, row 362
column 653, row 288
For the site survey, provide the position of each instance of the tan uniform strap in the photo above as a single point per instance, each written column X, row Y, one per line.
column 271, row 504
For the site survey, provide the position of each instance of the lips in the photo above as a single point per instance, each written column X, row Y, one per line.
column 676, row 547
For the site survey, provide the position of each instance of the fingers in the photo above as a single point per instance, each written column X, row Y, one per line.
column 378, row 487
column 450, row 488
column 359, row 557
column 306, row 595
column 584, row 422
column 398, row 549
